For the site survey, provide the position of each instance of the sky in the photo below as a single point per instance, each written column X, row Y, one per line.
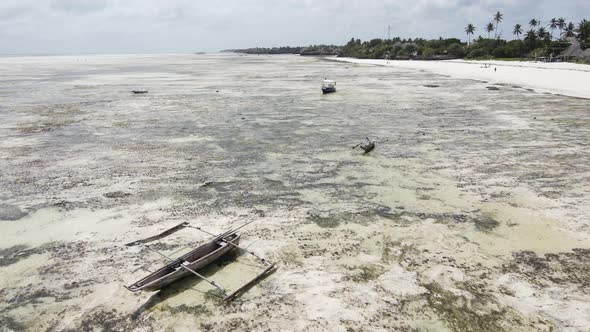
column 185, row 26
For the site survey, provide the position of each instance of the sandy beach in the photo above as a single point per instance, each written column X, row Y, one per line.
column 567, row 79
column 473, row 216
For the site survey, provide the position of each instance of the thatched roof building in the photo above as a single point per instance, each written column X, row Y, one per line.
column 574, row 51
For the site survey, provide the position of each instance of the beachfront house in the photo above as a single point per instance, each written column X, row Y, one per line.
column 574, row 51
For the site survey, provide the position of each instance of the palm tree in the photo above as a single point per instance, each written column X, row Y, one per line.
column 583, row 30
column 498, row 18
column 517, row 30
column 553, row 25
column 533, row 23
column 569, row 30
column 489, row 28
column 542, row 33
column 531, row 35
column 469, row 30
column 561, row 25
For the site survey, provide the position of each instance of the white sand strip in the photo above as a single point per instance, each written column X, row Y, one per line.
column 561, row 78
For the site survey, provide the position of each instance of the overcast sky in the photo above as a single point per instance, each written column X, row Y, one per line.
column 170, row 26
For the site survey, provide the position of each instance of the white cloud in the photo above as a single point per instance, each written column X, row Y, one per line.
column 78, row 26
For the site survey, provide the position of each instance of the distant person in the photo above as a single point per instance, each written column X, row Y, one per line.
column 495, row 69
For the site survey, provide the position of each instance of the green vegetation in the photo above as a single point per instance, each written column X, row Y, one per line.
column 486, row 222
column 536, row 43
column 398, row 48
column 291, row 255
column 308, row 50
column 393, row 250
column 490, row 28
column 214, row 295
column 197, row 310
column 469, row 30
column 531, row 47
column 367, row 273
column 463, row 314
column 583, row 33
column 263, row 50
column 325, row 222
column 498, row 18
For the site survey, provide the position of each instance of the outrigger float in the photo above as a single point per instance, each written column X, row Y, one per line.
column 196, row 259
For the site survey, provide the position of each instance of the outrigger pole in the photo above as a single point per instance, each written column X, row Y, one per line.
column 159, row 236
column 179, row 227
column 264, row 261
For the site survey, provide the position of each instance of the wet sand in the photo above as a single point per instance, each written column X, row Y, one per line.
column 472, row 217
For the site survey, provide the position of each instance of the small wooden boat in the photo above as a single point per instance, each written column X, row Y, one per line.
column 194, row 260
column 139, row 91
column 328, row 86
column 368, row 146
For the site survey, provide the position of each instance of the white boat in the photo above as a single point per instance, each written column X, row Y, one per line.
column 328, row 86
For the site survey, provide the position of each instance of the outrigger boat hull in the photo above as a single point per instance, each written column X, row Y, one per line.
column 328, row 86
column 194, row 260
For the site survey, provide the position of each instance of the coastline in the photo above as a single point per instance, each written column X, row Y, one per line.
column 566, row 79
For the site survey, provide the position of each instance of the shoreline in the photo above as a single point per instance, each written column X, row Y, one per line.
column 567, row 79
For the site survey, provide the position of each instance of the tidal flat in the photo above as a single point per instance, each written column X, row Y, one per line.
column 473, row 216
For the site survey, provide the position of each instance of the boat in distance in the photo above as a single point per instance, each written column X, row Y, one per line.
column 328, row 86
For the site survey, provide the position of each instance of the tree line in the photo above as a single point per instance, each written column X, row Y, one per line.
column 302, row 50
column 403, row 49
column 538, row 41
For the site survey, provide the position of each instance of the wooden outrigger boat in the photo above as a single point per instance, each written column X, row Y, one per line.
column 194, row 260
